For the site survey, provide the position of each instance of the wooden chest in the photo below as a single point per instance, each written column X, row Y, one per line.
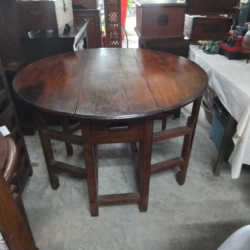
column 45, row 15
column 160, row 19
column 176, row 46
column 207, row 27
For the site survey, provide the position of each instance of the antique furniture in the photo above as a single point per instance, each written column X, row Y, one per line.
column 94, row 26
column 206, row 27
column 88, row 4
column 176, row 46
column 162, row 19
column 8, row 117
column 115, row 93
column 229, row 79
column 203, row 20
column 45, row 15
column 112, row 10
column 44, row 43
column 14, row 225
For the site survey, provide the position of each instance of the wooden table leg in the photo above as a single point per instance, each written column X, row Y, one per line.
column 224, row 144
column 47, row 150
column 145, row 163
column 66, row 129
column 90, row 160
column 188, row 141
column 164, row 121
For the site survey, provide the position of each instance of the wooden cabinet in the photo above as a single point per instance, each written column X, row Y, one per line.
column 45, row 15
column 94, row 26
column 41, row 44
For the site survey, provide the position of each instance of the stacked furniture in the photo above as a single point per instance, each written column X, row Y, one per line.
column 8, row 118
column 208, row 20
column 160, row 24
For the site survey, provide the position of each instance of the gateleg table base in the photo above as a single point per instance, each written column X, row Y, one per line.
column 117, row 131
column 102, row 132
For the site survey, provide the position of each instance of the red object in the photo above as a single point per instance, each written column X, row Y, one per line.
column 232, row 43
column 104, row 41
column 124, row 4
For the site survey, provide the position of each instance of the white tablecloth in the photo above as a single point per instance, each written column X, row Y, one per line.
column 231, row 81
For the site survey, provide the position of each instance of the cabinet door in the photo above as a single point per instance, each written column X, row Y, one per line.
column 94, row 26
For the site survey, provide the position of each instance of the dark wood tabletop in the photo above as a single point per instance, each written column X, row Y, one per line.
column 111, row 83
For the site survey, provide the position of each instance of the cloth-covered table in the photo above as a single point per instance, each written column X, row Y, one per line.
column 230, row 79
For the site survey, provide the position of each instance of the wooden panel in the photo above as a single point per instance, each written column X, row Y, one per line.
column 113, row 23
column 171, row 78
column 113, row 86
column 90, row 4
column 52, row 83
column 94, row 26
column 116, row 131
column 10, row 47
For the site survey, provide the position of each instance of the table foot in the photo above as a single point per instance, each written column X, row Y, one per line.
column 54, row 182
column 181, row 177
column 69, row 149
column 143, row 206
column 94, row 210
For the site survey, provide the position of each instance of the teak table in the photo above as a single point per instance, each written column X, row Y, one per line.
column 115, row 94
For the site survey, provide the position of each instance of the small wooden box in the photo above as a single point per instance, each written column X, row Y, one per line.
column 207, row 27
column 160, row 19
column 45, row 15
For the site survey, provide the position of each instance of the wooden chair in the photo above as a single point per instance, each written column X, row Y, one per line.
column 14, row 225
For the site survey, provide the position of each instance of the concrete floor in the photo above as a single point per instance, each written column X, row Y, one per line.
column 199, row 215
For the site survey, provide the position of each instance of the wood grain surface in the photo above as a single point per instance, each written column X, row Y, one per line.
column 111, row 83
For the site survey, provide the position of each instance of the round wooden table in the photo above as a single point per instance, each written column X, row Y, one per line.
column 115, row 93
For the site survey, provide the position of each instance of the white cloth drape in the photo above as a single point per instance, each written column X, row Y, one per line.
column 231, row 81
